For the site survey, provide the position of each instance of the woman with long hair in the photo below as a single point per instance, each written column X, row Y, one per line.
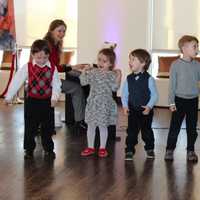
column 54, row 36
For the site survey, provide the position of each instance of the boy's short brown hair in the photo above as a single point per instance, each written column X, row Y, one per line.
column 40, row 45
column 143, row 56
column 186, row 38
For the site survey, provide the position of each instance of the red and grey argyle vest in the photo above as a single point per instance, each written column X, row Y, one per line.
column 39, row 81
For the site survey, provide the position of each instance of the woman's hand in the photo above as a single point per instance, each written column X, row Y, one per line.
column 85, row 68
column 79, row 67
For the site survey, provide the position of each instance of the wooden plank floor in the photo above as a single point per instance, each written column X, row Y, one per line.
column 71, row 177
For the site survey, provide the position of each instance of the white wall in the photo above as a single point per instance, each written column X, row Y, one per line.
column 171, row 21
column 32, row 19
column 121, row 21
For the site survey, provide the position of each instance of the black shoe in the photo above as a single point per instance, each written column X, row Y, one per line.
column 28, row 154
column 169, row 155
column 150, row 154
column 129, row 156
column 192, row 156
column 50, row 154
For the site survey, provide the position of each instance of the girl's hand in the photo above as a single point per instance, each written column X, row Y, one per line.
column 146, row 111
column 126, row 111
column 119, row 75
column 118, row 72
column 172, row 108
column 53, row 103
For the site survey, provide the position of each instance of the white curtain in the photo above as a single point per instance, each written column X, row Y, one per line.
column 171, row 20
column 32, row 18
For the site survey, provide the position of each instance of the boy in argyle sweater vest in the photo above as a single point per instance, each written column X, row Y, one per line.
column 42, row 93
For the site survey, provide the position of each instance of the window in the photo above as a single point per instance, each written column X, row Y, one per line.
column 169, row 21
column 32, row 18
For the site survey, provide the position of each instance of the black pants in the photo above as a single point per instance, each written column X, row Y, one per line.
column 185, row 108
column 136, row 122
column 52, row 121
column 37, row 113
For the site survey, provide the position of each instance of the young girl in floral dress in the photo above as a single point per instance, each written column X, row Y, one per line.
column 101, row 109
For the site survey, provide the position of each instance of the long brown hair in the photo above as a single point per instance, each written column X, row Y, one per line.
column 53, row 25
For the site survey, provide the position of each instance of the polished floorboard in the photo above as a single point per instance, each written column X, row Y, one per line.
column 70, row 177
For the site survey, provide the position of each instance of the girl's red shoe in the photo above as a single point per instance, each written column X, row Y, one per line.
column 102, row 153
column 88, row 151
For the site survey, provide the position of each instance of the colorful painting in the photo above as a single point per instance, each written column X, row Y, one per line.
column 7, row 25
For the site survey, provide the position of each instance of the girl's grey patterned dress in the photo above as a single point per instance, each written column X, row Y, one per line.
column 101, row 109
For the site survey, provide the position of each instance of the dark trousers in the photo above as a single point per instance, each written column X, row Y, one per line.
column 37, row 113
column 138, row 122
column 185, row 108
column 52, row 121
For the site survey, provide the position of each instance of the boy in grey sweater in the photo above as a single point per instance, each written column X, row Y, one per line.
column 183, row 96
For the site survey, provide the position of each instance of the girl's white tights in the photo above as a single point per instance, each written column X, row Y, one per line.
column 91, row 135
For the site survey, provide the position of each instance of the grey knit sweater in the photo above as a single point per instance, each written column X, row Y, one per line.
column 184, row 78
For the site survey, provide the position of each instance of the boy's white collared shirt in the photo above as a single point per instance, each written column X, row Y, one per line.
column 48, row 64
column 22, row 75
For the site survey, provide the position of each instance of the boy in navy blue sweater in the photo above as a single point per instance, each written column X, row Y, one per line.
column 139, row 95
